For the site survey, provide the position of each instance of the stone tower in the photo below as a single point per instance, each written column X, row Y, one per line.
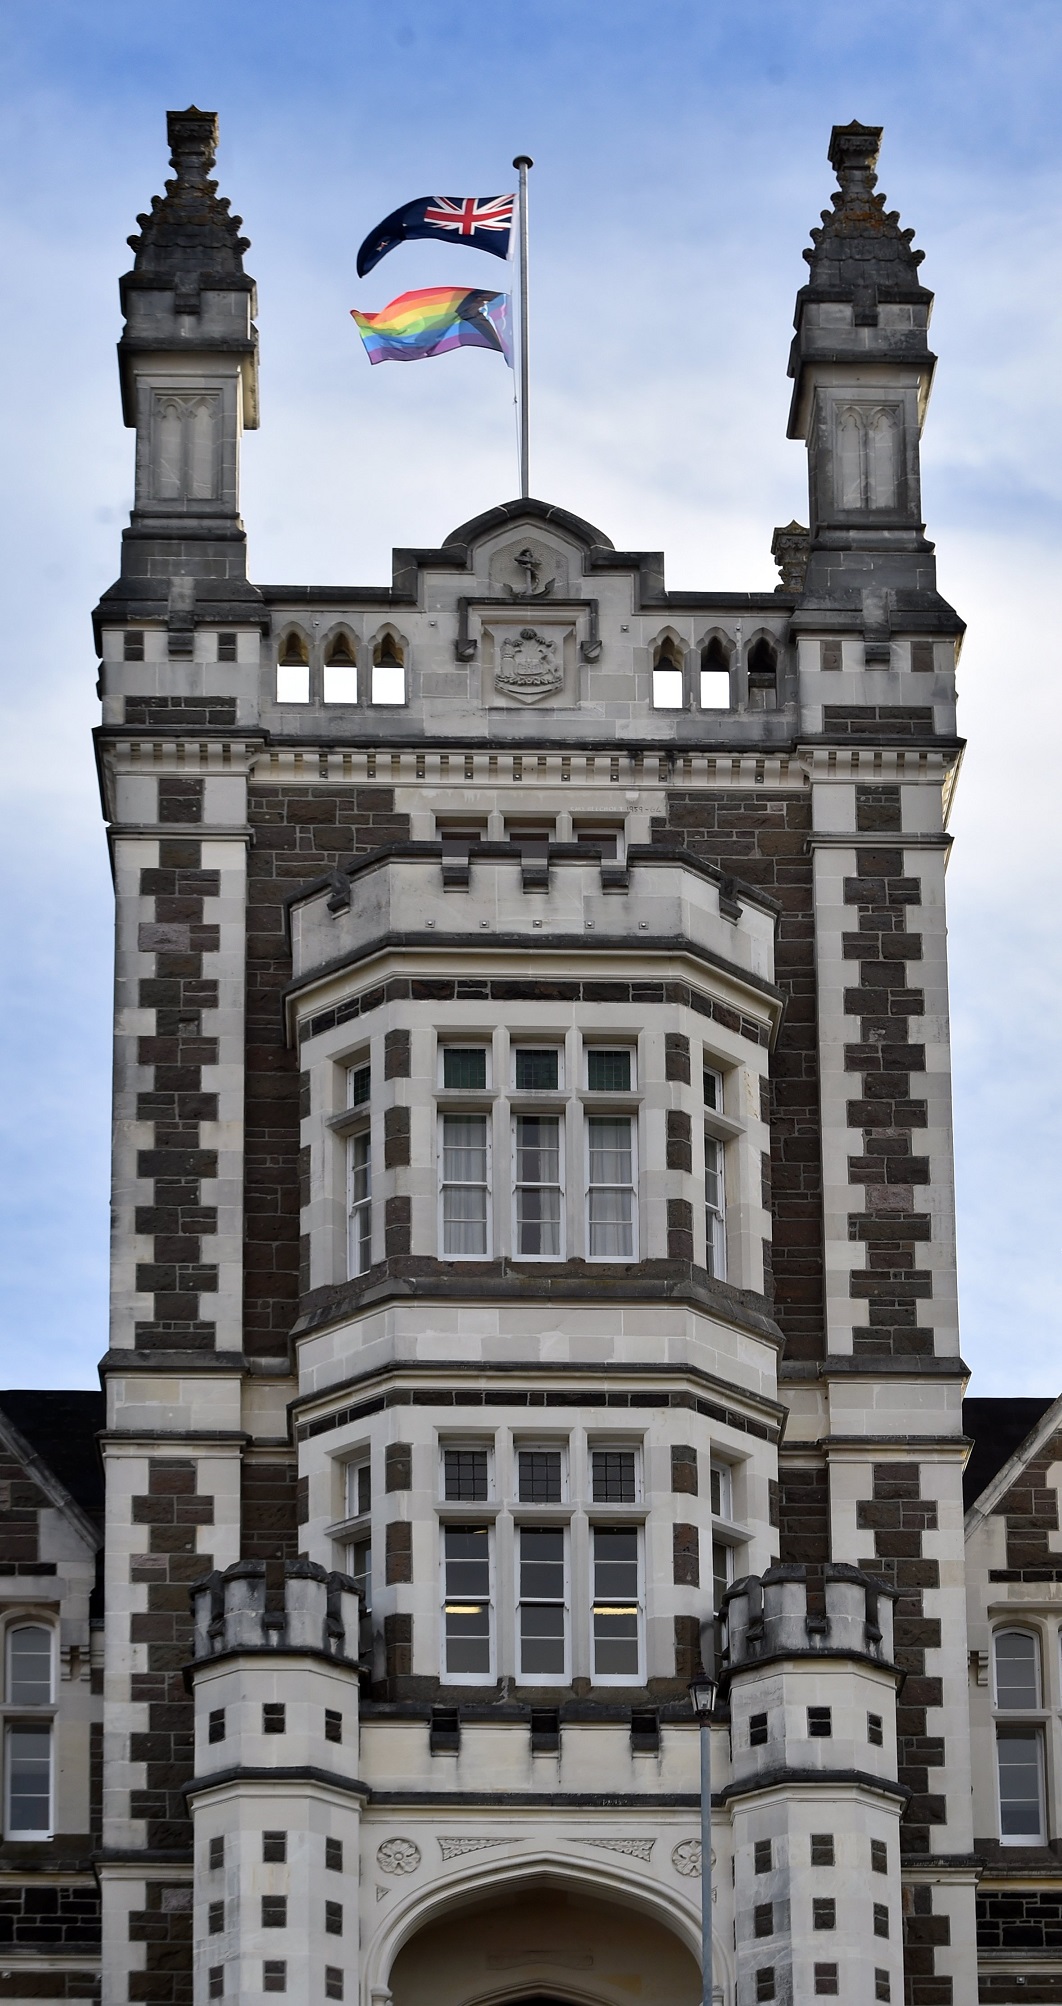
column 533, row 1249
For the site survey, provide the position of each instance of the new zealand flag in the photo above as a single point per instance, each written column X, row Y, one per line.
column 483, row 221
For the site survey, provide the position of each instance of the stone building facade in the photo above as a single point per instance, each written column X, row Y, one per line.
column 533, row 1256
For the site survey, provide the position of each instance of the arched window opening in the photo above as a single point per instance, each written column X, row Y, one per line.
column 763, row 675
column 715, row 676
column 340, row 670
column 388, row 670
column 667, row 676
column 29, row 1665
column 293, row 669
column 1017, row 1657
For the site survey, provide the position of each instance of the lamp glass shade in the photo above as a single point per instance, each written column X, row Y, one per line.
column 702, row 1693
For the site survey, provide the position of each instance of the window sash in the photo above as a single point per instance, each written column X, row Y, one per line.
column 540, row 1475
column 29, row 1665
column 538, row 1187
column 614, row 1475
column 29, row 1782
column 714, row 1208
column 542, row 1604
column 611, row 1222
column 468, row 1628
column 722, row 1570
column 465, row 1186
column 359, row 1567
column 1016, row 1656
column 616, row 1608
column 1020, row 1778
column 359, row 1202
column 359, row 1487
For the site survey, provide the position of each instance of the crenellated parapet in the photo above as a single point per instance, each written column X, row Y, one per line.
column 320, row 1613
column 770, row 1616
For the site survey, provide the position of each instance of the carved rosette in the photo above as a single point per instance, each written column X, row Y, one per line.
column 398, row 1856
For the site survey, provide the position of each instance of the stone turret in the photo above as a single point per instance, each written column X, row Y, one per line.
column 276, row 1802
column 813, row 1794
column 862, row 371
column 188, row 361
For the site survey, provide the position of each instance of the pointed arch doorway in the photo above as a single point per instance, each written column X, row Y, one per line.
column 545, row 1940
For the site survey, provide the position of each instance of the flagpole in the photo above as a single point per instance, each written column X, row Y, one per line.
column 522, row 162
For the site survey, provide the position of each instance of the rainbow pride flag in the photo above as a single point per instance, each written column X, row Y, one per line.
column 433, row 321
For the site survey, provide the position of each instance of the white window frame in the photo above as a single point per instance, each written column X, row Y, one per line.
column 591, row 1114
column 601, row 1522
column 29, row 1621
column 487, row 1677
column 364, row 1542
column 623, row 1446
column 466, row 1114
column 45, row 1727
column 715, row 1213
column 544, row 1524
column 359, row 1209
column 351, row 1471
column 1036, row 1705
column 554, row 1114
column 1009, row 1729
column 540, row 1448
column 470, row 1446
column 543, row 1044
column 483, row 1044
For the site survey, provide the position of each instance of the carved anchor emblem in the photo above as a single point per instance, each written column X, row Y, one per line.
column 527, row 562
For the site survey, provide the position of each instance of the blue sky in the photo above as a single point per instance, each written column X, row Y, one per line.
column 680, row 162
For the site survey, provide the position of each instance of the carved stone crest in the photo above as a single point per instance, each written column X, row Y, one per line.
column 531, row 666
column 398, row 1856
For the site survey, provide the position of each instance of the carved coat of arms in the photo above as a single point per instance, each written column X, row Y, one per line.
column 531, row 666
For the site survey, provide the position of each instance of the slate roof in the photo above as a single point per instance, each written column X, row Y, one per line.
column 997, row 1428
column 62, row 1427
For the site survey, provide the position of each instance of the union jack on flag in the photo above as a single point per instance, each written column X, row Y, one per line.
column 465, row 215
column 484, row 222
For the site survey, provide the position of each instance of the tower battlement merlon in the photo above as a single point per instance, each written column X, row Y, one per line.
column 188, row 365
